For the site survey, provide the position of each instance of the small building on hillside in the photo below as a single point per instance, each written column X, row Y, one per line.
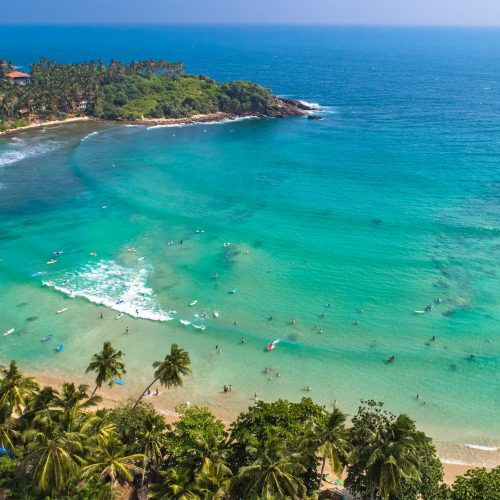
column 18, row 77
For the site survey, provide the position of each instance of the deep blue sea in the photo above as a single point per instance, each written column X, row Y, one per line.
column 388, row 205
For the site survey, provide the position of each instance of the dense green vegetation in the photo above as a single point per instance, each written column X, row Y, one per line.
column 146, row 89
column 56, row 444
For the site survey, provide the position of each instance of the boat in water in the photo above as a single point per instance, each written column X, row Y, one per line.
column 272, row 345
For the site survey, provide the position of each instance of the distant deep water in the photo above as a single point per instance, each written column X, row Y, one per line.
column 387, row 205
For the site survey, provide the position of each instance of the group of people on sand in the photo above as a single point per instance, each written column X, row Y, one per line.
column 228, row 388
column 148, row 393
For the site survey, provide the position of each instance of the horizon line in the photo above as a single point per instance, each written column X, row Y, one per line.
column 249, row 24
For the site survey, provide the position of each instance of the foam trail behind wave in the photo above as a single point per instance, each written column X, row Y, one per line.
column 481, row 447
column 89, row 135
column 119, row 288
column 213, row 122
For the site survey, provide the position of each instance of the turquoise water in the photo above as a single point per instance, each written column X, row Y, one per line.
column 387, row 205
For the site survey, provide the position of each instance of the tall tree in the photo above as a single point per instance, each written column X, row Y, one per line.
column 111, row 462
column 275, row 473
column 54, row 455
column 8, row 431
column 152, row 440
column 328, row 436
column 170, row 371
column 107, row 365
column 71, row 398
column 391, row 455
column 15, row 388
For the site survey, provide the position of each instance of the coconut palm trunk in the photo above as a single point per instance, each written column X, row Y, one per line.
column 146, row 390
column 322, row 471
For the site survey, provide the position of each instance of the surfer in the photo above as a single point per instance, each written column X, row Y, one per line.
column 323, row 314
column 235, row 323
column 242, row 340
column 356, row 322
column 294, row 321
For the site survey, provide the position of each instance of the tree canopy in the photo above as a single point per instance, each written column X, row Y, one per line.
column 118, row 91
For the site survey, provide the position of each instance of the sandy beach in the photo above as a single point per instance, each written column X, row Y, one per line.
column 148, row 122
column 167, row 400
column 50, row 123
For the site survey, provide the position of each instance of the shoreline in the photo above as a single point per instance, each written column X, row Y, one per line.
column 217, row 117
column 165, row 405
column 50, row 123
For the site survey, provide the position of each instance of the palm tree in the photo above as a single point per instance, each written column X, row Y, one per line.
column 55, row 456
column 213, row 480
column 111, row 462
column 15, row 388
column 107, row 364
column 176, row 486
column 275, row 472
column 152, row 439
column 8, row 432
column 41, row 402
column 208, row 449
column 169, row 371
column 392, row 454
column 329, row 438
column 74, row 399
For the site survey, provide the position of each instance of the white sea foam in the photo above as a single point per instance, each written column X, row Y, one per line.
column 89, row 135
column 20, row 149
column 452, row 461
column 312, row 105
column 317, row 108
column 481, row 447
column 119, row 288
column 214, row 122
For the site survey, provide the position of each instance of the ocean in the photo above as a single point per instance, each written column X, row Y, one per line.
column 347, row 226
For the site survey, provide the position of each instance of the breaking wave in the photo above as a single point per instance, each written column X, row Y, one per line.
column 106, row 283
column 21, row 149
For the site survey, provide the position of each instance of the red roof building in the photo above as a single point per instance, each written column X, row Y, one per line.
column 17, row 74
column 18, row 77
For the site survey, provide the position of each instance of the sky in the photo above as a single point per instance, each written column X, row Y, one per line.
column 385, row 12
